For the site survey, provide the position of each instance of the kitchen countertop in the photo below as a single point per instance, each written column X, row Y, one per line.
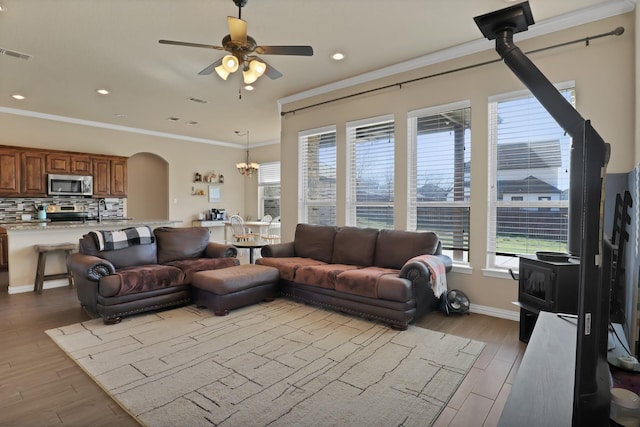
column 59, row 225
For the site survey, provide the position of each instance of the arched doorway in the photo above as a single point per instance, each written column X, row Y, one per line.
column 148, row 187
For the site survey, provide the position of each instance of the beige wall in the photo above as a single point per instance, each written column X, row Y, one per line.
column 148, row 189
column 603, row 73
column 184, row 158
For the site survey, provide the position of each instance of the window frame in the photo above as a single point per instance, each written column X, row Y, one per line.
column 496, row 261
column 304, row 203
column 262, row 184
column 459, row 257
column 352, row 204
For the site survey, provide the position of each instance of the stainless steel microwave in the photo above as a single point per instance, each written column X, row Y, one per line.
column 69, row 185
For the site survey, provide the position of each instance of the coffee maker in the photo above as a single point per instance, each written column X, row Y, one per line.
column 218, row 215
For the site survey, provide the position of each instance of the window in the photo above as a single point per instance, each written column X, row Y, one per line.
column 370, row 160
column 269, row 189
column 529, row 179
column 317, row 198
column 439, row 175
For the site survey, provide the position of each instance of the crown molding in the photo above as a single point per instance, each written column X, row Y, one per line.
column 119, row 128
column 548, row 26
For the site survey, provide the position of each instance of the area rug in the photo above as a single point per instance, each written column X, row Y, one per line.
column 271, row 364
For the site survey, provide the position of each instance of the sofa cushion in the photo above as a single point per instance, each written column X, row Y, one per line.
column 125, row 257
column 141, row 278
column 366, row 282
column 314, row 241
column 396, row 247
column 193, row 265
column 180, row 243
column 355, row 246
column 288, row 266
column 323, row 276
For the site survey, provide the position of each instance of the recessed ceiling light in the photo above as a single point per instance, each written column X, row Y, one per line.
column 102, row 91
column 248, row 87
column 18, row 96
column 337, row 56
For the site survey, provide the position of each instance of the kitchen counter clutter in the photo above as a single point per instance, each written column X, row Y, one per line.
column 42, row 224
column 22, row 236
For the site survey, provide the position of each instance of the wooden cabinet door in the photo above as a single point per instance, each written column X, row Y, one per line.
column 58, row 163
column 81, row 165
column 9, row 172
column 101, row 176
column 4, row 252
column 33, row 182
column 119, row 177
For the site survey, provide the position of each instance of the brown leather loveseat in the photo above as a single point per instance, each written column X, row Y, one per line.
column 145, row 276
column 380, row 274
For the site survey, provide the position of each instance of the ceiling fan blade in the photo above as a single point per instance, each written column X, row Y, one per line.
column 176, row 43
column 15, row 54
column 237, row 29
column 271, row 72
column 210, row 68
column 285, row 50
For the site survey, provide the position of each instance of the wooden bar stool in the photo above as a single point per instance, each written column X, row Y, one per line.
column 43, row 250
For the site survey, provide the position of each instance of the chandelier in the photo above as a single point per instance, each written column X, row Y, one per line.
column 246, row 168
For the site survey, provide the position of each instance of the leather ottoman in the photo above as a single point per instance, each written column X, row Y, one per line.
column 232, row 287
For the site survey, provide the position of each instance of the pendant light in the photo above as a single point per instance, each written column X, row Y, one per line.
column 247, row 168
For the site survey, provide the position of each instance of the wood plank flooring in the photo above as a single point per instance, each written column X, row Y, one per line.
column 41, row 386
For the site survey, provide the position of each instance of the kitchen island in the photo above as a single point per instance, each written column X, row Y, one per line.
column 22, row 236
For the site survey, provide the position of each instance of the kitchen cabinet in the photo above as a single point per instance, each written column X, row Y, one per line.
column 81, row 165
column 33, row 178
column 119, row 177
column 68, row 164
column 9, row 172
column 23, row 171
column 101, row 176
column 4, row 250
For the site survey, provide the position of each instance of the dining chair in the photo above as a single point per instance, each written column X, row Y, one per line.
column 266, row 218
column 273, row 231
column 238, row 229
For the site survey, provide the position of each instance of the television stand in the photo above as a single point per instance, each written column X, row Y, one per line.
column 542, row 393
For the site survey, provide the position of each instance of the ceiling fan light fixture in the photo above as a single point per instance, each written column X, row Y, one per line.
column 256, row 69
column 229, row 65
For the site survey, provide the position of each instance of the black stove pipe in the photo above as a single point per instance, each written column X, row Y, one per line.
column 563, row 113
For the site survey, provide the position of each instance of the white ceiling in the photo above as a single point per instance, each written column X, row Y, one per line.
column 79, row 46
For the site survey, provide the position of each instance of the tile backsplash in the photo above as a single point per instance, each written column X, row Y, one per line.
column 11, row 209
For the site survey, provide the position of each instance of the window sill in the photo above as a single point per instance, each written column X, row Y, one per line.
column 497, row 272
column 462, row 268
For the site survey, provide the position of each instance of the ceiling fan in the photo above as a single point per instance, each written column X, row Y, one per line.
column 242, row 50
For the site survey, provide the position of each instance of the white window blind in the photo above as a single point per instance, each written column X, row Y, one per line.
column 317, row 173
column 371, row 148
column 269, row 189
column 529, row 178
column 439, row 175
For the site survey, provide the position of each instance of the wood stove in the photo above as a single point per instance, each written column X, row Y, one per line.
column 545, row 286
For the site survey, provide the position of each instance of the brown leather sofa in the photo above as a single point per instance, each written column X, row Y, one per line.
column 144, row 277
column 379, row 274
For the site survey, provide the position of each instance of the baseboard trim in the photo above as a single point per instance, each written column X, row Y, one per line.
column 495, row 312
column 29, row 288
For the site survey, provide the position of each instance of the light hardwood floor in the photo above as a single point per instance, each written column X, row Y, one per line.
column 41, row 386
